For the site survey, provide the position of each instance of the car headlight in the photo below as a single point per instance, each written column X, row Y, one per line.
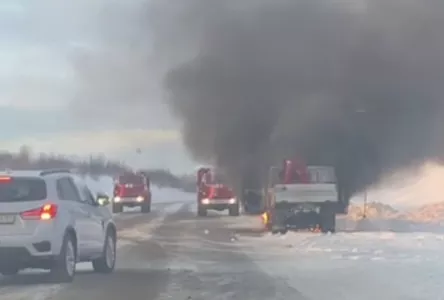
column 140, row 199
column 205, row 201
column 232, row 201
column 117, row 199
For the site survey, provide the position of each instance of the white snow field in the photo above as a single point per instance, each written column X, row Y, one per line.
column 352, row 265
column 173, row 200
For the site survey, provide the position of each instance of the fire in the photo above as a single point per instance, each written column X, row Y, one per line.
column 264, row 218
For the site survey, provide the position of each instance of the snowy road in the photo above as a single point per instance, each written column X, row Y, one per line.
column 172, row 254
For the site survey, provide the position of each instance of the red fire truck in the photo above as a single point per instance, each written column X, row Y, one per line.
column 214, row 192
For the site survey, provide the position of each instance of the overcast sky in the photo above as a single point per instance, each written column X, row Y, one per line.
column 49, row 102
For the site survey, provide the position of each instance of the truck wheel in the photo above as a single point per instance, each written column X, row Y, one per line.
column 233, row 210
column 201, row 211
column 279, row 228
column 328, row 222
column 276, row 223
column 146, row 207
column 117, row 208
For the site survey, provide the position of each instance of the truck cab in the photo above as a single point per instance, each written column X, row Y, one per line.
column 214, row 193
column 131, row 190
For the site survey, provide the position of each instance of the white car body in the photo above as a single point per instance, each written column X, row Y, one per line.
column 36, row 241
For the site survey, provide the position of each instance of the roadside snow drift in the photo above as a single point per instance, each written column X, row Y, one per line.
column 355, row 266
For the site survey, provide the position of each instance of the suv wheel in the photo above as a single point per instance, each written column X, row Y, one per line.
column 327, row 218
column 64, row 267
column 107, row 262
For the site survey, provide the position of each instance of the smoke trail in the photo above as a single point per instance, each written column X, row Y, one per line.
column 358, row 84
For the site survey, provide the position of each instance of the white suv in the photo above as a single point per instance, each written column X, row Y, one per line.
column 50, row 220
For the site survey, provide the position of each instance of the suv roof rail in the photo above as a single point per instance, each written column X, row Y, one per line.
column 54, row 171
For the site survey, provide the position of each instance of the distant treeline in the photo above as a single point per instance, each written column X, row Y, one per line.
column 95, row 165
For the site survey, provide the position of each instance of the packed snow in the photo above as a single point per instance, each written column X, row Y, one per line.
column 352, row 265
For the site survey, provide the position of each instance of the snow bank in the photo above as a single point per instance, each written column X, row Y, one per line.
column 358, row 266
column 409, row 188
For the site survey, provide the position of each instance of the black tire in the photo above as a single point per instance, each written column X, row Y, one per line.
column 117, row 208
column 102, row 264
column 201, row 211
column 278, row 229
column 9, row 271
column 233, row 210
column 268, row 224
column 277, row 223
column 328, row 222
column 145, row 208
column 64, row 267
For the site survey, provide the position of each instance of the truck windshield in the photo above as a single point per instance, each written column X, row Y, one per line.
column 218, row 178
column 131, row 179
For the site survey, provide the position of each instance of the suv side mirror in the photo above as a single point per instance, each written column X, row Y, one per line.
column 102, row 199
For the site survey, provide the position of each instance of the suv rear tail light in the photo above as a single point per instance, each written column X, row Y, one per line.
column 46, row 212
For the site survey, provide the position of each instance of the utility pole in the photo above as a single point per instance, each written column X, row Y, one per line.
column 364, row 214
column 360, row 112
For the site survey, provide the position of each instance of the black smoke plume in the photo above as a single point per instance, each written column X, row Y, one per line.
column 357, row 84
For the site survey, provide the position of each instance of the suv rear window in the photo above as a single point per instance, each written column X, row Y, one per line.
column 18, row 189
column 133, row 179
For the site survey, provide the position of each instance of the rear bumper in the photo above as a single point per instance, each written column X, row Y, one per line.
column 131, row 200
column 225, row 201
column 288, row 219
column 302, row 221
column 45, row 240
column 22, row 258
column 218, row 204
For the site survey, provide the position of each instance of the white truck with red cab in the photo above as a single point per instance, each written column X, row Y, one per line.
column 303, row 197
